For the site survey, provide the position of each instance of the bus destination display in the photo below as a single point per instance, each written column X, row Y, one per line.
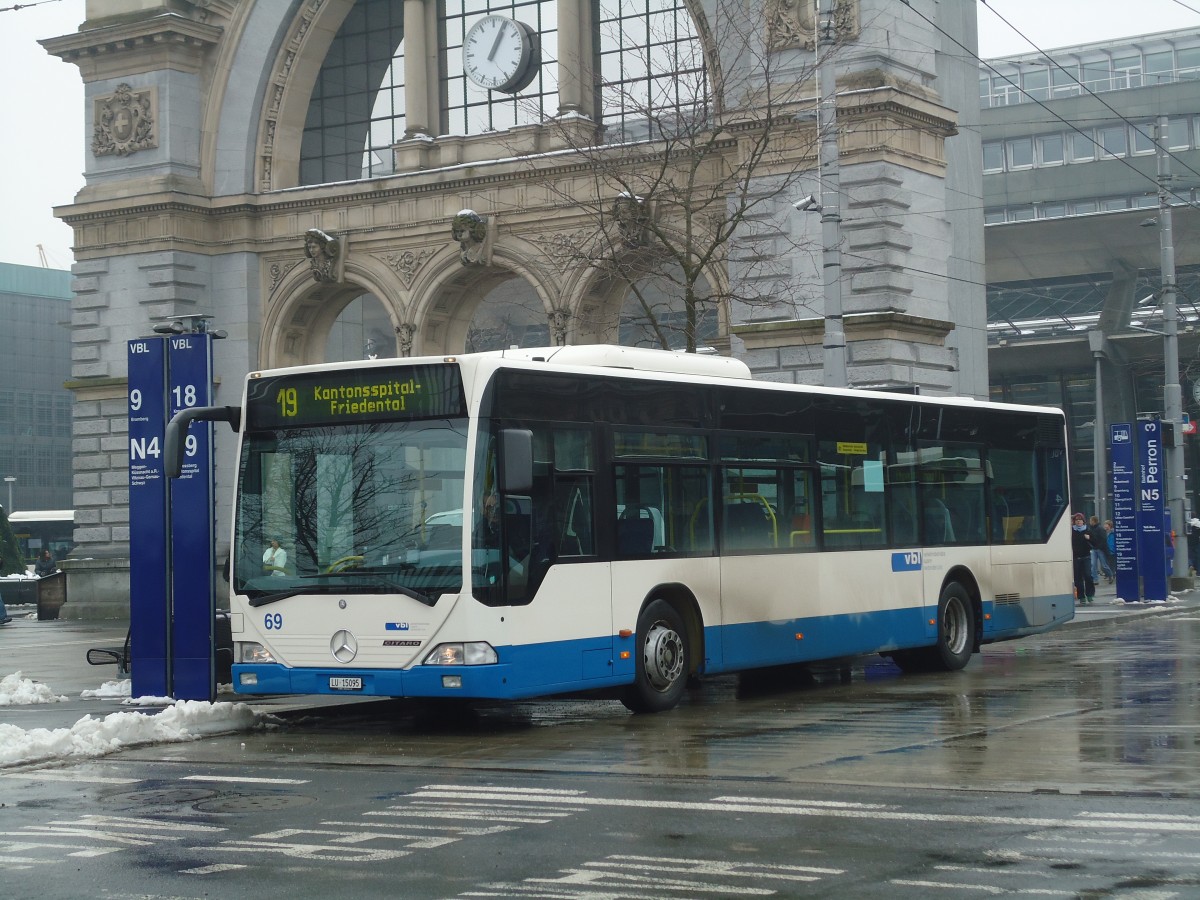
column 356, row 395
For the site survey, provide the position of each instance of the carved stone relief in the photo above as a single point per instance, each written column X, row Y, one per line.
column 559, row 320
column 278, row 271
column 278, row 84
column 564, row 249
column 792, row 24
column 632, row 218
column 407, row 263
column 124, row 121
column 405, row 333
column 474, row 235
column 326, row 255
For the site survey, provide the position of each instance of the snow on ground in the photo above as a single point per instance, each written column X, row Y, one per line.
column 182, row 720
column 18, row 691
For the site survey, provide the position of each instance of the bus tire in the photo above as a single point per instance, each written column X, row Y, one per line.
column 956, row 629
column 955, row 636
column 662, row 661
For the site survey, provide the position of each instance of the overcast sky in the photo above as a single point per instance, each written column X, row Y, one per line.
column 41, row 107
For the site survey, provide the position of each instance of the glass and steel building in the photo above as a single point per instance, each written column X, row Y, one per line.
column 35, row 406
column 1074, row 255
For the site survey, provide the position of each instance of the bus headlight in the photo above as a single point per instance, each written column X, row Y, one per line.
column 248, row 652
column 471, row 653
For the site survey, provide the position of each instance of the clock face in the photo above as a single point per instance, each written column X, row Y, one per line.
column 500, row 54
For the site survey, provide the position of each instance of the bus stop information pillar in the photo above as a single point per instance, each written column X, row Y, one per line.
column 171, row 604
column 1140, row 528
column 149, row 607
column 189, row 367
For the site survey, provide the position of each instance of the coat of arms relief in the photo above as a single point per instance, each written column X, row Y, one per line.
column 125, row 121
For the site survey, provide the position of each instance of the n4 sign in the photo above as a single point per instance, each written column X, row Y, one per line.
column 141, row 448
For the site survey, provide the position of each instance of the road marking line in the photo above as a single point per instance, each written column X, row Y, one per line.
column 1007, row 873
column 985, row 888
column 493, row 808
column 47, row 775
column 770, row 801
column 713, row 866
column 802, row 809
column 455, row 814
column 244, row 779
column 210, row 870
column 1139, row 816
column 547, row 792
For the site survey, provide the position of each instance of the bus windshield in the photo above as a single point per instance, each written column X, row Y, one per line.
column 351, row 508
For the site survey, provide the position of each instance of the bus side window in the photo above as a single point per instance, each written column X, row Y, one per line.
column 577, row 535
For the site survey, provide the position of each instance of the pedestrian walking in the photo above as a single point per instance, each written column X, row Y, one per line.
column 1100, row 564
column 1193, row 544
column 1081, row 552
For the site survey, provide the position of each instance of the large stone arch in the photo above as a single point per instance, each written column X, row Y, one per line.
column 300, row 311
column 595, row 296
column 448, row 294
column 293, row 74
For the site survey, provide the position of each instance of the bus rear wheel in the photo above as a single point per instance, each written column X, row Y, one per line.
column 663, row 660
column 955, row 636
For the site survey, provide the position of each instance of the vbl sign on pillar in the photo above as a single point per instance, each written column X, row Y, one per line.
column 1151, row 531
column 149, row 592
column 192, row 606
column 1124, row 509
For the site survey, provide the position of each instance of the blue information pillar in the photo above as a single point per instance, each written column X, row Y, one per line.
column 1124, row 509
column 149, row 606
column 1151, row 530
column 192, row 607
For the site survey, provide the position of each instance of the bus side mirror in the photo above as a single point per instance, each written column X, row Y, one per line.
column 516, row 461
column 175, row 443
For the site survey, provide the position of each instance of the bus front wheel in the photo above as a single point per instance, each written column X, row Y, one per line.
column 663, row 660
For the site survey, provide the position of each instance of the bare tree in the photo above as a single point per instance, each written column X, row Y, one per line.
column 690, row 173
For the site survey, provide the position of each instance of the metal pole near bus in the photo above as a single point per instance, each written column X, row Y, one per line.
column 834, row 366
column 1172, row 393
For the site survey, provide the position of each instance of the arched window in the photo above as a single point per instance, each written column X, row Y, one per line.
column 651, row 67
column 362, row 331
column 647, row 62
column 357, row 108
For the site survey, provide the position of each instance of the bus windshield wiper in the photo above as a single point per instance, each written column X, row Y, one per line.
column 385, row 582
column 274, row 598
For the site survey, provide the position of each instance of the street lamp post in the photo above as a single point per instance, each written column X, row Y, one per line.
column 834, row 362
column 9, row 479
column 1172, row 394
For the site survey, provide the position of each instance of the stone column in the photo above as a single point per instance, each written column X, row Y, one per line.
column 572, row 71
column 416, row 81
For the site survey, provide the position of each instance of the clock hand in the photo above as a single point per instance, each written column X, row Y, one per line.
column 496, row 42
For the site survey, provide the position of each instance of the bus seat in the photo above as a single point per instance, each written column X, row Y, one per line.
column 635, row 537
column 747, row 527
column 938, row 527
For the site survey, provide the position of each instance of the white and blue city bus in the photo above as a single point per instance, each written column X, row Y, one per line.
column 661, row 516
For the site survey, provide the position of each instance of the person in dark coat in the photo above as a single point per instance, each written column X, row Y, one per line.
column 1193, row 544
column 1100, row 563
column 1081, row 552
column 5, row 618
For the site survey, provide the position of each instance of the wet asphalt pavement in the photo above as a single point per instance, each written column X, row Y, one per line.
column 1066, row 764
